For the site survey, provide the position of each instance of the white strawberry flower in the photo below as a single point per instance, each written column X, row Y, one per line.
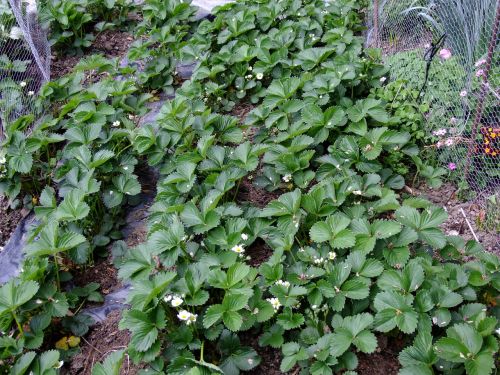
column 332, row 255
column 31, row 93
column 275, row 303
column 116, row 124
column 184, row 315
column 176, row 301
column 192, row 318
column 259, row 76
column 238, row 249
column 287, row 178
column 286, row 284
column 167, row 298
column 244, row 236
column 383, row 79
column 22, row 84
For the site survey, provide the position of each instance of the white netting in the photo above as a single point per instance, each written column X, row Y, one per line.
column 454, row 43
column 24, row 59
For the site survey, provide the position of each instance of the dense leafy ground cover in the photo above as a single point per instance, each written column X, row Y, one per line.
column 351, row 255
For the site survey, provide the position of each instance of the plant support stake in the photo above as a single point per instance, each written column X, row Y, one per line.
column 484, row 89
column 468, row 224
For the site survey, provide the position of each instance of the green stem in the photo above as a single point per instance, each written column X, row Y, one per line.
column 19, row 327
column 56, row 265
column 237, row 189
column 202, row 350
column 123, row 149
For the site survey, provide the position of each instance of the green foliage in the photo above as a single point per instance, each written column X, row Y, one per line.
column 348, row 254
column 160, row 37
column 72, row 24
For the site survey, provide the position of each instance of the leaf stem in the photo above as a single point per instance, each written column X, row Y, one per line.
column 237, row 189
column 19, row 327
column 201, row 351
column 56, row 265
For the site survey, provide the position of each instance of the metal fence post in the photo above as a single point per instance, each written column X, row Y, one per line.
column 375, row 22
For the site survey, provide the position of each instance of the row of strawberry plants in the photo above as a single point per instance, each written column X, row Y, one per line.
column 346, row 185
column 76, row 167
column 350, row 256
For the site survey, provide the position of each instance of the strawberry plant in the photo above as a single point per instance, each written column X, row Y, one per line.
column 350, row 256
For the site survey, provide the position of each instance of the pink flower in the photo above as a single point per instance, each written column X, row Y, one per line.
column 439, row 144
column 480, row 73
column 453, row 121
column 452, row 166
column 445, row 54
column 439, row 132
column 480, row 62
column 449, row 142
column 463, row 93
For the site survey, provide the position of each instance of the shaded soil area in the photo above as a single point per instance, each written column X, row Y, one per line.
column 259, row 253
column 102, row 340
column 384, row 361
column 110, row 43
column 270, row 357
column 446, row 197
column 256, row 196
column 8, row 220
column 102, row 272
column 241, row 110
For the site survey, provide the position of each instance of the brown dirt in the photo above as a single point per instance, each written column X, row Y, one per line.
column 241, row 110
column 446, row 197
column 102, row 340
column 248, row 192
column 385, row 359
column 103, row 272
column 111, row 43
column 384, row 363
column 8, row 220
column 259, row 252
column 270, row 358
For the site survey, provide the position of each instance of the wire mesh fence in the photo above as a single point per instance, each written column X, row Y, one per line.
column 24, row 59
column 447, row 50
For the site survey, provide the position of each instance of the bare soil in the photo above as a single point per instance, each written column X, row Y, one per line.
column 241, row 110
column 270, row 357
column 259, row 253
column 384, row 361
column 446, row 197
column 102, row 340
column 256, row 196
column 102, row 272
column 8, row 220
column 110, row 43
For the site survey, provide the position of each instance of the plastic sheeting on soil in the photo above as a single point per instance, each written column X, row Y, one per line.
column 12, row 255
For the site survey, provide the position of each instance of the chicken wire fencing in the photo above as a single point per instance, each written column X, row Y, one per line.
column 24, row 59
column 447, row 52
